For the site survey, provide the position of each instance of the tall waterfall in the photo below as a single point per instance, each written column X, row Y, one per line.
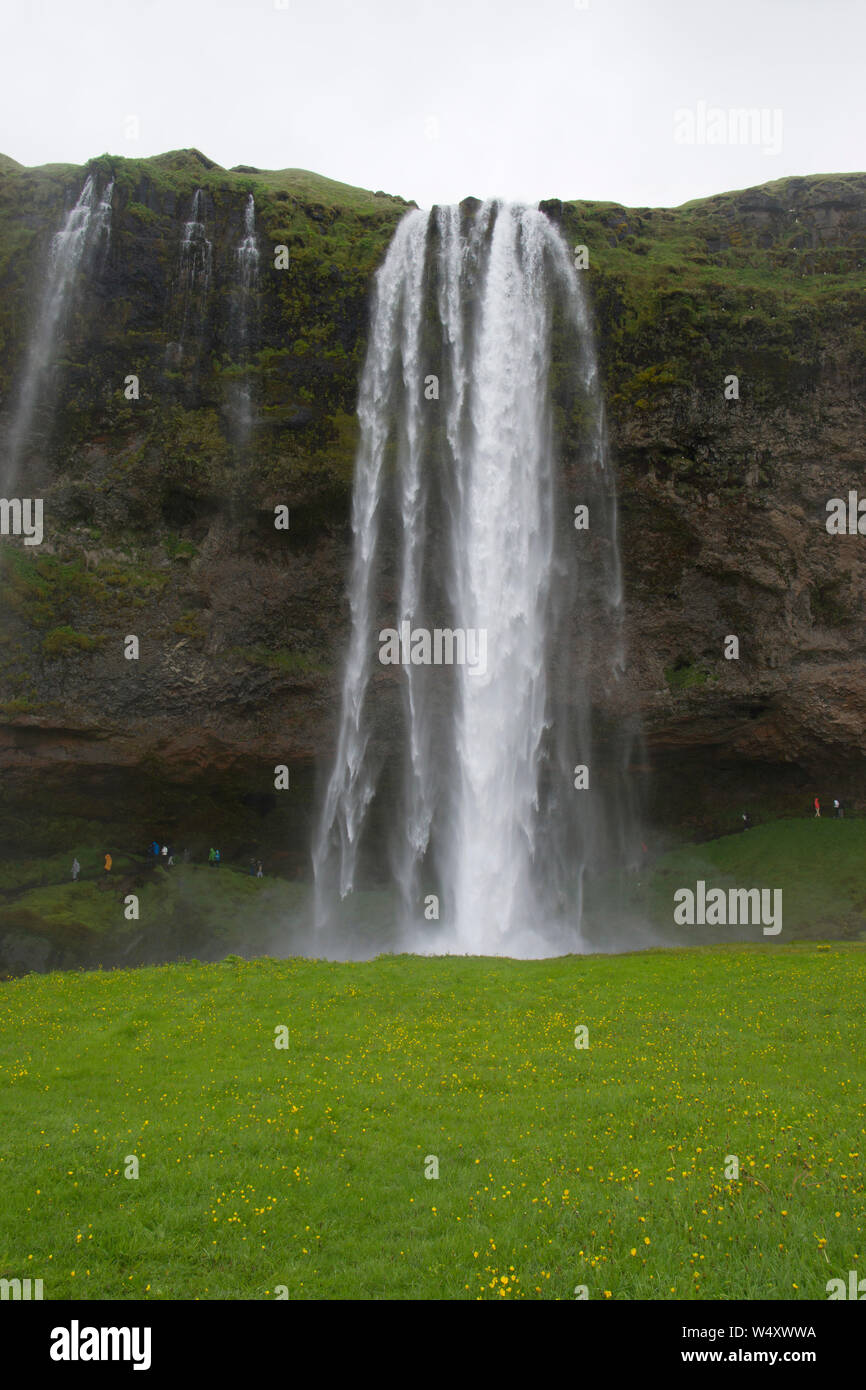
column 192, row 280
column 471, row 465
column 85, row 233
column 247, row 282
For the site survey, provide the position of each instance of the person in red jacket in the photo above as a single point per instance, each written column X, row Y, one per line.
column 817, row 808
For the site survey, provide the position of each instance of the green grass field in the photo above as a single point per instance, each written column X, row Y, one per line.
column 304, row 1168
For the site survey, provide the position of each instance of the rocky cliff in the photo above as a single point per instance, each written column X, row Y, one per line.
column 159, row 518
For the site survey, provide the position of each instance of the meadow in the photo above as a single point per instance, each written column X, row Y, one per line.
column 299, row 1171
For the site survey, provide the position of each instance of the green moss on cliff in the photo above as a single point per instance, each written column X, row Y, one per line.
column 47, row 589
column 292, row 663
column 65, row 641
column 761, row 280
column 685, row 675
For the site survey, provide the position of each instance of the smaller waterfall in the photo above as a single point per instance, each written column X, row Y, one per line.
column 248, row 262
column 248, row 257
column 85, row 232
column 192, row 280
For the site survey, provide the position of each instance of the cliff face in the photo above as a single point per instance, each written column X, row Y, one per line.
column 723, row 501
column 159, row 521
column 159, row 513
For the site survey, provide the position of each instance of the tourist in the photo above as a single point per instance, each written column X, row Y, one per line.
column 252, row 868
column 165, row 851
column 76, row 870
column 108, row 863
column 155, row 849
column 211, row 859
column 747, row 820
column 817, row 809
column 260, row 873
column 837, row 808
column 216, row 859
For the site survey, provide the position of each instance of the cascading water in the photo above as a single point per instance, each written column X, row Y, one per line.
column 248, row 268
column 192, row 280
column 83, row 236
column 459, row 460
column 241, row 408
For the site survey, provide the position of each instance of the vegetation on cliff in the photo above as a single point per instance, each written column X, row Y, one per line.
column 767, row 284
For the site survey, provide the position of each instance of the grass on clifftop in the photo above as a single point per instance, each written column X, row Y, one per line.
column 304, row 1168
column 175, row 168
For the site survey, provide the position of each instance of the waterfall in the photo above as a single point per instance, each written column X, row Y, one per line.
column 192, row 281
column 507, row 619
column 240, row 405
column 248, row 265
column 84, row 234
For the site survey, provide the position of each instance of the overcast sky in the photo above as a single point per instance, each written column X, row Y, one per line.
column 438, row 99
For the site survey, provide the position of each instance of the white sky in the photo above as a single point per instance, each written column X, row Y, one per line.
column 438, row 99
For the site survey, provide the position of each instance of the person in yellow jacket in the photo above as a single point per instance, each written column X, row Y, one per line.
column 108, row 863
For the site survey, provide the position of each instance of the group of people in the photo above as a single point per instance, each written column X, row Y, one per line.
column 838, row 812
column 76, row 867
column 165, row 856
